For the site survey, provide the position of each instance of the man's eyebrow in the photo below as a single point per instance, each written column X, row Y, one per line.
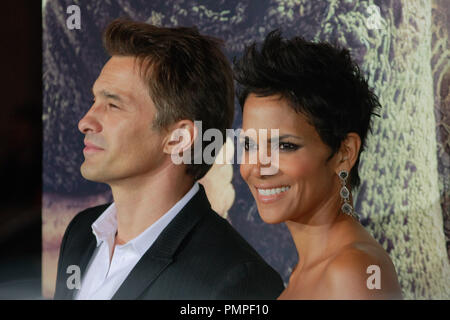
column 109, row 95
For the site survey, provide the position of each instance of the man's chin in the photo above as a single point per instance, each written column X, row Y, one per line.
column 91, row 174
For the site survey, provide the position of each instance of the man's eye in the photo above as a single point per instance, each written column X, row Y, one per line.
column 286, row 146
column 112, row 105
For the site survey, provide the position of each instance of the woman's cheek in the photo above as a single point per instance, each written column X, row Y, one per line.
column 299, row 167
column 244, row 170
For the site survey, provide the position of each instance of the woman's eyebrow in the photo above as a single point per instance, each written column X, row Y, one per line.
column 285, row 136
column 270, row 140
column 289, row 136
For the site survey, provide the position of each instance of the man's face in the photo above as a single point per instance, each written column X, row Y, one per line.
column 121, row 143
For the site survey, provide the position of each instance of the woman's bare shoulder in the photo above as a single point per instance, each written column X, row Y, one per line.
column 362, row 270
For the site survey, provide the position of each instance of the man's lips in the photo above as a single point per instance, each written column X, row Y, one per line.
column 90, row 147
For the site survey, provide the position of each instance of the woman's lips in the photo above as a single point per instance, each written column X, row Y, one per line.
column 271, row 194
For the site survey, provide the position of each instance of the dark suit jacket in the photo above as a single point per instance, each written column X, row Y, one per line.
column 197, row 256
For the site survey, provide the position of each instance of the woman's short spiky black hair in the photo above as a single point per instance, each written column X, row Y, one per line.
column 318, row 80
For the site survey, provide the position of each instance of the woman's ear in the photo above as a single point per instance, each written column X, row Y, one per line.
column 348, row 153
column 180, row 137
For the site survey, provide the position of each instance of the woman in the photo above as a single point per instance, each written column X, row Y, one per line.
column 316, row 97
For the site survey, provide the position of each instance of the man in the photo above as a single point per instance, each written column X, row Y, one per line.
column 159, row 239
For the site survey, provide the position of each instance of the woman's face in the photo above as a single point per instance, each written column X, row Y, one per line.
column 305, row 183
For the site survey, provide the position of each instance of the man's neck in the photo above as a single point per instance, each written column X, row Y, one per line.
column 142, row 200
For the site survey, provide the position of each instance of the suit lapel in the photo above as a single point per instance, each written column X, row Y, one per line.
column 84, row 245
column 161, row 253
column 84, row 260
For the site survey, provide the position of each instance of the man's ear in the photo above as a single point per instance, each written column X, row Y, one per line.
column 180, row 137
column 348, row 153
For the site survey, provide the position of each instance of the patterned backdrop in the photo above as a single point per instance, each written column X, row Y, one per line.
column 403, row 49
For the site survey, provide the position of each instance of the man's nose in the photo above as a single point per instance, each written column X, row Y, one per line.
column 90, row 122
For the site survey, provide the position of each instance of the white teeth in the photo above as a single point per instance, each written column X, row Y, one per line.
column 268, row 192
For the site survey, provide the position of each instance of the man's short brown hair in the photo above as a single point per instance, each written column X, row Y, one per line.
column 187, row 74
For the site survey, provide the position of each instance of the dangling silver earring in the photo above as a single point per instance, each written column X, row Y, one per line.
column 347, row 207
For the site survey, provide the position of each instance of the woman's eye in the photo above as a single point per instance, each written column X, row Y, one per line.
column 248, row 145
column 286, row 146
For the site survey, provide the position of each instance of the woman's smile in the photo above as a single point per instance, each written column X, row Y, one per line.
column 270, row 194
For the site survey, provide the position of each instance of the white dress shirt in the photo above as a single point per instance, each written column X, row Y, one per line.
column 102, row 278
